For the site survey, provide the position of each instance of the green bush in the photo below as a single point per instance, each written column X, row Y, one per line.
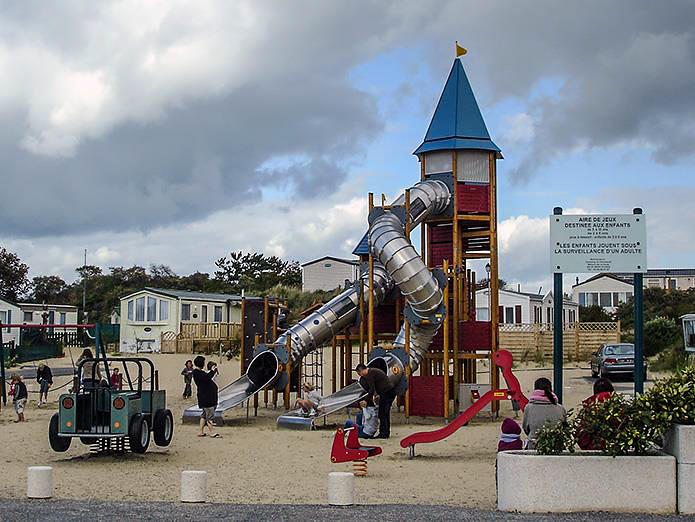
column 659, row 333
column 620, row 425
column 672, row 400
column 554, row 438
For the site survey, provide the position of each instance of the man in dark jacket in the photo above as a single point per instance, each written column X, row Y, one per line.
column 207, row 395
column 377, row 384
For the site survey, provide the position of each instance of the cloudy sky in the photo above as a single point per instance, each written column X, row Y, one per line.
column 173, row 132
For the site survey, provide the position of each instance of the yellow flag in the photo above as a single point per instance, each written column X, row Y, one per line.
column 460, row 51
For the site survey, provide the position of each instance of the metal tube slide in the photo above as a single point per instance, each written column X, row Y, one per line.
column 418, row 285
column 263, row 370
column 340, row 312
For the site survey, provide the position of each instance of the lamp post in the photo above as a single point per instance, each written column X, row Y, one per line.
column 489, row 294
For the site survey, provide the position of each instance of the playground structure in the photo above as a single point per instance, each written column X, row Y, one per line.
column 512, row 392
column 409, row 312
column 352, row 450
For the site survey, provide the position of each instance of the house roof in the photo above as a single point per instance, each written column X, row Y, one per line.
column 457, row 122
column 39, row 306
column 661, row 272
column 617, row 277
column 187, row 294
column 8, row 302
column 338, row 259
column 530, row 295
column 362, row 248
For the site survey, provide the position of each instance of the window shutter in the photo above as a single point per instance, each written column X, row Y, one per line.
column 517, row 314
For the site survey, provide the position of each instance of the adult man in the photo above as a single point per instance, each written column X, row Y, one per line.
column 377, row 383
column 207, row 395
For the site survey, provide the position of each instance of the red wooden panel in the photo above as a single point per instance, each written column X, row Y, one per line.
column 441, row 234
column 385, row 319
column 439, row 252
column 427, row 396
column 475, row 335
column 474, row 198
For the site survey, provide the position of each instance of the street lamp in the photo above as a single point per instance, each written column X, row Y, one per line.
column 489, row 295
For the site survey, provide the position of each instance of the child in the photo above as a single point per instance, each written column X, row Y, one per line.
column 310, row 401
column 45, row 379
column 116, row 383
column 510, row 436
column 367, row 421
column 212, row 367
column 187, row 373
column 19, row 396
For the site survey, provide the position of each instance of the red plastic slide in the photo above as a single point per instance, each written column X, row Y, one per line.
column 513, row 392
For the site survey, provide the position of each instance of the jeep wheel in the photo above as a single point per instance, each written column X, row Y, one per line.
column 57, row 442
column 163, row 427
column 139, row 434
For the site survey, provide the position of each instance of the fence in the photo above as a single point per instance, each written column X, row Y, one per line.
column 201, row 337
column 534, row 342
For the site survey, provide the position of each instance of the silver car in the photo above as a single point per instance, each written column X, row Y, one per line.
column 614, row 358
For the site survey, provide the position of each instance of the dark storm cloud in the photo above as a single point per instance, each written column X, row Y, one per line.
column 201, row 158
column 272, row 81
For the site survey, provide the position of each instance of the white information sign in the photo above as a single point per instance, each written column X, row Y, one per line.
column 598, row 243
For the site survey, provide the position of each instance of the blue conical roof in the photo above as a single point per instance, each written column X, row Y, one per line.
column 457, row 122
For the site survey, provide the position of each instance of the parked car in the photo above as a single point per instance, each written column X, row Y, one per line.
column 614, row 358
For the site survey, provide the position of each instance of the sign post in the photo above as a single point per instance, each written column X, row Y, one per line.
column 598, row 243
column 638, row 301
column 558, row 301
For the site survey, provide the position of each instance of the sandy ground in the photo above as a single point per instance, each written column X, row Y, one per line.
column 256, row 463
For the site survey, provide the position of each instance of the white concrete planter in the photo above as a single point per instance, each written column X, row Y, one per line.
column 585, row 481
column 679, row 441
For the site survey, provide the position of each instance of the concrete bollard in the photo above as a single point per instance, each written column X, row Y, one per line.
column 39, row 482
column 194, row 486
column 341, row 488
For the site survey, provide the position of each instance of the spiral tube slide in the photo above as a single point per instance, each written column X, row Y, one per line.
column 421, row 289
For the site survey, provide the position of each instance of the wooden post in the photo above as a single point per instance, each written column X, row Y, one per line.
column 423, row 244
column 334, row 348
column 243, row 336
column 617, row 334
column 289, row 371
column 576, row 340
column 494, row 278
column 265, row 320
column 348, row 356
column 370, row 327
column 361, row 321
column 407, row 369
column 457, row 280
column 342, row 363
column 255, row 395
column 445, row 372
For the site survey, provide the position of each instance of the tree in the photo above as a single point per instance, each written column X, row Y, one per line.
column 658, row 302
column 256, row 272
column 593, row 314
column 162, row 276
column 660, row 333
column 49, row 289
column 482, row 284
column 13, row 276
